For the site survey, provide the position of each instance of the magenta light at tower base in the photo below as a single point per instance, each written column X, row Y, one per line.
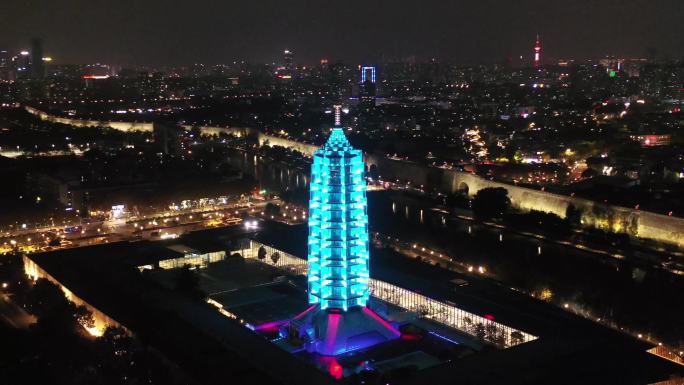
column 332, row 332
column 338, row 319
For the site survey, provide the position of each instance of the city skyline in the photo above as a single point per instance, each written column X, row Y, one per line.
column 463, row 33
column 342, row 193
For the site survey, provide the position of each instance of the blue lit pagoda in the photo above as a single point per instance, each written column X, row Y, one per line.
column 338, row 319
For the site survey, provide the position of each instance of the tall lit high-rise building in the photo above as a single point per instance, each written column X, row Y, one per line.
column 287, row 70
column 367, row 86
column 537, row 52
column 338, row 319
column 22, row 65
column 368, row 74
column 5, row 65
column 288, row 60
column 37, row 67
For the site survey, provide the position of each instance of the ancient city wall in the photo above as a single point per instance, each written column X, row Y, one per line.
column 121, row 126
column 263, row 139
column 101, row 320
column 643, row 224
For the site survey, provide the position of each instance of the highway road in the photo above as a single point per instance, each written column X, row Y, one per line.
column 164, row 224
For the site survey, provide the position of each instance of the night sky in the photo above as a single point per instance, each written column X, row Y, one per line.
column 157, row 32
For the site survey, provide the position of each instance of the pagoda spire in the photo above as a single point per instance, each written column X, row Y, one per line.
column 338, row 115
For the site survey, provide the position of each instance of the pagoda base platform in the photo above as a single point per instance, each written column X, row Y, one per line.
column 332, row 332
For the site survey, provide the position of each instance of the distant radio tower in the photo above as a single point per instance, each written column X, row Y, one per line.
column 537, row 52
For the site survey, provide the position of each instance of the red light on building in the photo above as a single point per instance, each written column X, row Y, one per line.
column 411, row 337
column 333, row 367
column 653, row 140
column 489, row 317
column 537, row 52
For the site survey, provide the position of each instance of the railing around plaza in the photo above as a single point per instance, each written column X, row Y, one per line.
column 425, row 307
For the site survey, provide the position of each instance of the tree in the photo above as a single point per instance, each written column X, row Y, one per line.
column 493, row 333
column 549, row 223
column 296, row 195
column 460, row 200
column 187, row 282
column 479, row 330
column 59, row 321
column 491, row 202
column 275, row 257
column 423, row 310
column 261, row 254
column 631, row 224
column 605, row 215
column 517, row 338
column 12, row 271
column 494, row 151
column 84, row 317
column 117, row 340
column 43, row 297
column 589, row 173
column 512, row 153
column 272, row 209
column 573, row 215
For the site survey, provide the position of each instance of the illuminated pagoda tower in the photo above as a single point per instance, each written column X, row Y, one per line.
column 338, row 319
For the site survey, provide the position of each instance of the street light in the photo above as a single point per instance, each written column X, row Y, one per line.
column 251, row 225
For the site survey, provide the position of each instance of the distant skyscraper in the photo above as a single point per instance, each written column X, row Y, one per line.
column 368, row 86
column 537, row 52
column 37, row 68
column 368, row 74
column 287, row 70
column 288, row 60
column 4, row 65
column 22, row 65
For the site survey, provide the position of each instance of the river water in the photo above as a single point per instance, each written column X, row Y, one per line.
column 271, row 175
